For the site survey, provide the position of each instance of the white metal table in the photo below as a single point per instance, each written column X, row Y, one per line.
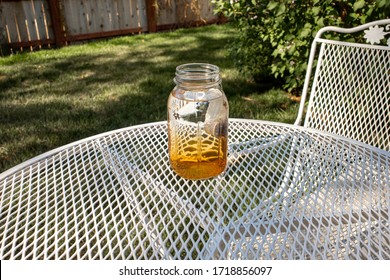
column 288, row 193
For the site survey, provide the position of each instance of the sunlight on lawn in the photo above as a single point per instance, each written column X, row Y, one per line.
column 53, row 97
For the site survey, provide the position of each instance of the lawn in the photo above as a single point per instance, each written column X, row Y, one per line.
column 53, row 97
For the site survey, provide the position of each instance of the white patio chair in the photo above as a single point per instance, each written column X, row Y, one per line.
column 350, row 90
column 350, row 97
column 348, row 77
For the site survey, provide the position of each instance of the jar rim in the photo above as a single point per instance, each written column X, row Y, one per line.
column 205, row 73
column 193, row 68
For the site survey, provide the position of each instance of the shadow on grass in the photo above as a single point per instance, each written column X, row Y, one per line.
column 51, row 98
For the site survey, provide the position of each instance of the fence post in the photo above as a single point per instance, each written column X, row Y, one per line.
column 55, row 15
column 151, row 14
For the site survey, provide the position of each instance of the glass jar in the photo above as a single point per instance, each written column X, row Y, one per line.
column 197, row 122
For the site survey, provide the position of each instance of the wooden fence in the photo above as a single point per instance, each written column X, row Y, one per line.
column 37, row 23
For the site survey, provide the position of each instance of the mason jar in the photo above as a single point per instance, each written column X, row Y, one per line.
column 198, row 122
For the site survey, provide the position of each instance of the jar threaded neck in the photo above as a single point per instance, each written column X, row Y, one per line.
column 197, row 74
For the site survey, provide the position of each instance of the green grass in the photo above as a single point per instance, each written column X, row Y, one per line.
column 53, row 97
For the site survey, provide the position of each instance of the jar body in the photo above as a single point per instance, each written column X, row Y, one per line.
column 198, row 123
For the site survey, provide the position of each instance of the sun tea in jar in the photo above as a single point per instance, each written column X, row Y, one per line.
column 197, row 122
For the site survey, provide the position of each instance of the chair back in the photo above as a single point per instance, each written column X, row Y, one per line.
column 350, row 87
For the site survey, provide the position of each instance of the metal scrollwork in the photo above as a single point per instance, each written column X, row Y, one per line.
column 375, row 34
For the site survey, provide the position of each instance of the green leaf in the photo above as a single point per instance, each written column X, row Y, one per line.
column 304, row 33
column 272, row 5
column 381, row 3
column 320, row 22
column 354, row 15
column 290, row 37
column 358, row 5
column 281, row 10
column 316, row 10
column 292, row 49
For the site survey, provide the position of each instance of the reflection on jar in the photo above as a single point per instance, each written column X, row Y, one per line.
column 198, row 122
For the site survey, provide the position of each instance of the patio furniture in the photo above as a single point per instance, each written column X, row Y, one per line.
column 350, row 92
column 114, row 196
column 289, row 192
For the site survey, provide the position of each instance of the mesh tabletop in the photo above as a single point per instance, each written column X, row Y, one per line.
column 288, row 193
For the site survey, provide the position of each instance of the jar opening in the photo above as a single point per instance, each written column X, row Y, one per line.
column 197, row 74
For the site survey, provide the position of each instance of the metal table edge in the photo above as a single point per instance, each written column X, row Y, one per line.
column 47, row 154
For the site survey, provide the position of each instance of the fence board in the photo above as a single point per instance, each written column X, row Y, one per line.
column 141, row 15
column 166, row 12
column 19, row 23
column 48, row 32
column 123, row 10
column 8, row 28
column 37, row 22
column 72, row 26
column 106, row 19
column 79, row 13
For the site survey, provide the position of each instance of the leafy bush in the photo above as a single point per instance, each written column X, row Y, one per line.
column 275, row 36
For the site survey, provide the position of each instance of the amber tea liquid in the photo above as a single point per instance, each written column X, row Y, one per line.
column 198, row 143
column 202, row 157
column 197, row 122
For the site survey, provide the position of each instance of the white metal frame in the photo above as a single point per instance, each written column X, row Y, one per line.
column 376, row 93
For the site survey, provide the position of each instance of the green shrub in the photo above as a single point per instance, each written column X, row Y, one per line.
column 275, row 36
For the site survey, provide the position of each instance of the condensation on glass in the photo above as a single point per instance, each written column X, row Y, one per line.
column 198, row 122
